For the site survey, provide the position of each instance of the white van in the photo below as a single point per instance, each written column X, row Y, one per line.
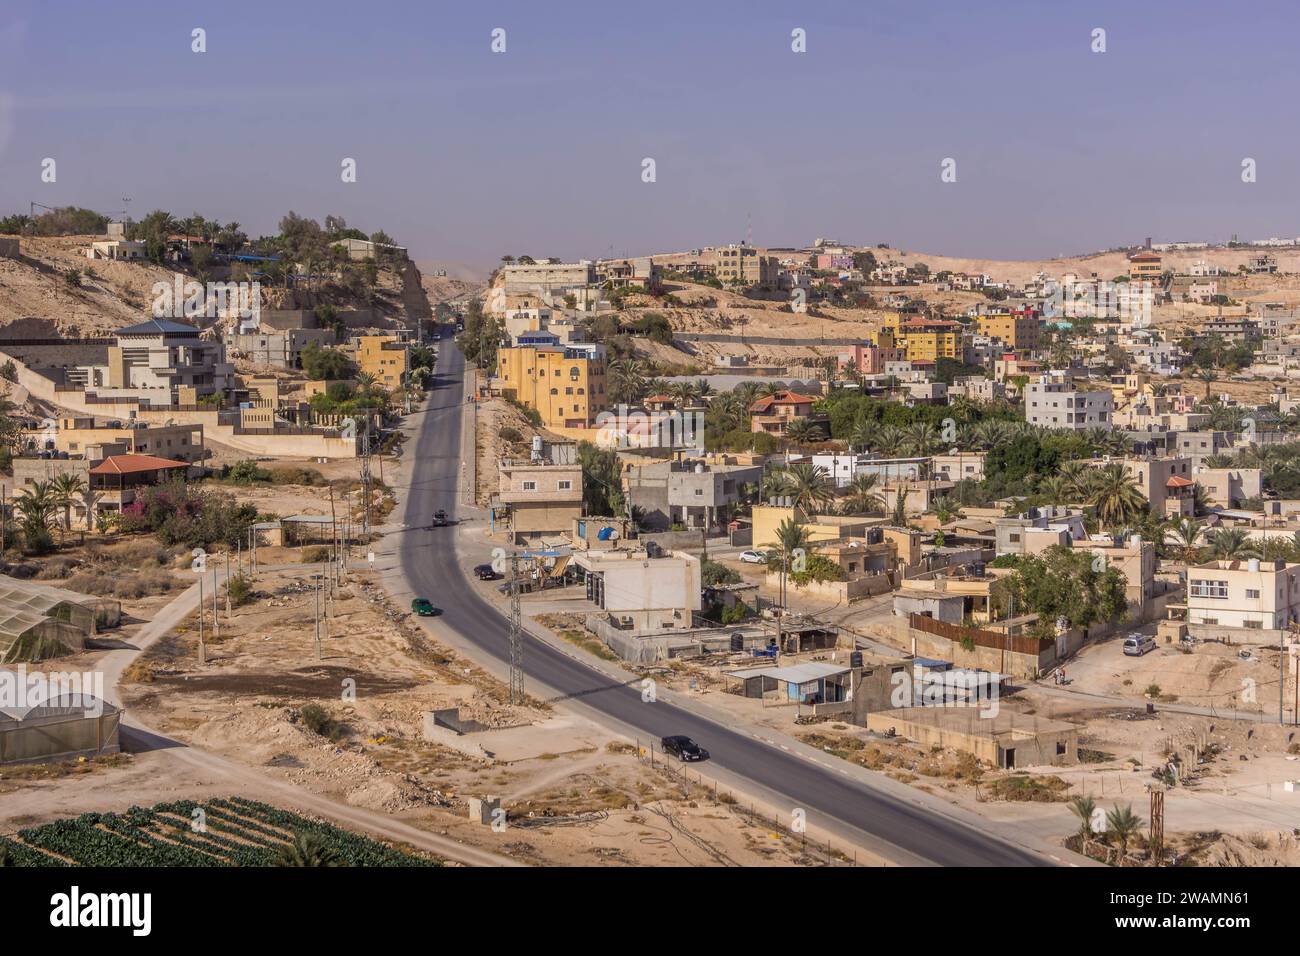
column 1135, row 645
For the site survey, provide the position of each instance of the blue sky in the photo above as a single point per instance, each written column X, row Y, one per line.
column 465, row 155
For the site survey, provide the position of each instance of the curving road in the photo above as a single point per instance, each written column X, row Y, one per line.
column 905, row 832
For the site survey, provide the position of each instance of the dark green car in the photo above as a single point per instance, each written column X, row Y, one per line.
column 422, row 607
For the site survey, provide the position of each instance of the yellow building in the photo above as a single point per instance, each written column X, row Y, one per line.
column 386, row 357
column 1020, row 330
column 564, row 383
column 922, row 339
column 1144, row 265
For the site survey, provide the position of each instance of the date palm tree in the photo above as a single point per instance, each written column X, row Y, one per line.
column 1231, row 544
column 1084, row 807
column 863, row 434
column 922, row 439
column 1186, row 533
column 1123, row 822
column 861, row 496
column 803, row 432
column 1116, row 496
column 308, row 849
column 66, row 489
column 809, row 486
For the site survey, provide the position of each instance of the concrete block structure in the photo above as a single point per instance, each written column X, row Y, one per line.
column 1005, row 739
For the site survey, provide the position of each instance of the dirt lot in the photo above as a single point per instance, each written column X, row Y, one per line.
column 573, row 793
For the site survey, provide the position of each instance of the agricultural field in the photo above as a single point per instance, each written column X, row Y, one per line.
column 223, row 832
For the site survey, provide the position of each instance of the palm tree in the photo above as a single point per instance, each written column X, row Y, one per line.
column 922, row 439
column 1209, row 376
column 861, row 495
column 683, row 393
column 703, row 389
column 37, row 506
column 1186, row 532
column 801, row 431
column 627, row 379
column 1122, row 822
column 791, row 539
column 308, row 849
column 810, row 486
column 891, row 441
column 1230, row 544
column 863, row 434
column 66, row 489
column 945, row 507
column 1084, row 807
column 1116, row 497
column 1055, row 490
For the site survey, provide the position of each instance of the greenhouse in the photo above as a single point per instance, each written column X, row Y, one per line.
column 39, row 621
column 68, row 726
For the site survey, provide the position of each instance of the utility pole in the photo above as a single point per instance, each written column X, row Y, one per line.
column 227, row 584
column 216, row 623
column 316, row 596
column 516, row 636
column 203, row 650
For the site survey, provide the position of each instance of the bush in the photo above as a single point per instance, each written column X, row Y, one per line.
column 318, row 720
column 315, row 554
column 510, row 434
column 296, row 476
column 240, row 590
column 247, row 472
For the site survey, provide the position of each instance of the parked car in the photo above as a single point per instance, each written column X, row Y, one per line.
column 440, row 519
column 753, row 557
column 1135, row 645
column 484, row 572
column 424, row 608
column 683, row 748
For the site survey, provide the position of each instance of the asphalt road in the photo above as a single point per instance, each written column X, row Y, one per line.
column 430, row 563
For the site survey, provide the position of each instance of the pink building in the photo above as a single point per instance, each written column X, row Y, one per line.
column 870, row 359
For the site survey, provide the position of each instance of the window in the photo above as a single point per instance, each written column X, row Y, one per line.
column 564, row 484
column 530, row 486
column 1209, row 589
column 1253, row 625
column 1252, row 594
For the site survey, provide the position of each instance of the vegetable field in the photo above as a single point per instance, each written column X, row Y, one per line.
column 224, row 832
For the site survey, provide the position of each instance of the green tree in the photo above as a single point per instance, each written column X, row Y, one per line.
column 325, row 364
column 1123, row 823
column 308, row 849
column 1116, row 496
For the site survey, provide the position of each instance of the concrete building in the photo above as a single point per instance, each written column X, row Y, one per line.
column 277, row 349
column 385, row 357
column 358, row 249
column 547, row 278
column 1165, row 481
column 774, row 413
column 963, row 466
column 745, row 265
column 537, row 498
column 869, row 359
column 1020, row 329
column 77, row 436
column 1038, row 529
column 639, row 593
column 1135, row 559
column 1249, row 594
column 565, row 384
column 1052, row 402
column 160, row 362
column 923, row 340
column 1004, row 739
column 1228, row 487
column 693, row 493
column 1144, row 265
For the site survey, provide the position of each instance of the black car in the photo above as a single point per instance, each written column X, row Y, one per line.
column 485, row 572
column 683, row 748
column 440, row 519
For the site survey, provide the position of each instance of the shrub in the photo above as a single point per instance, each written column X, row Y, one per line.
column 240, row 590
column 315, row 554
column 510, row 434
column 318, row 720
column 247, row 472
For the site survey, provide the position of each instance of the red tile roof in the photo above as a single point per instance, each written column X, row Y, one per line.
column 780, row 398
column 133, row 464
column 1176, row 482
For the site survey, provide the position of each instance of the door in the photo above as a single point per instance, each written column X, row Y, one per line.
column 1009, row 758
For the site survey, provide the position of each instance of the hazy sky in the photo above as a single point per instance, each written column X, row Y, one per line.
column 465, row 155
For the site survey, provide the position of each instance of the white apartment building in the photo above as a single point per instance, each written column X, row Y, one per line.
column 1052, row 402
column 1251, row 594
